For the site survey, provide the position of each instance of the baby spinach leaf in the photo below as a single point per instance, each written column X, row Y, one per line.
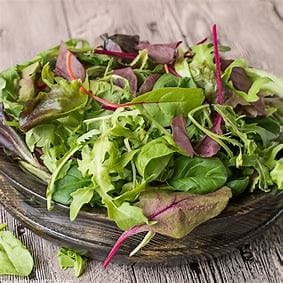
column 238, row 186
column 15, row 259
column 165, row 103
column 80, row 197
column 72, row 181
column 68, row 258
column 198, row 175
column 166, row 80
column 153, row 158
column 174, row 214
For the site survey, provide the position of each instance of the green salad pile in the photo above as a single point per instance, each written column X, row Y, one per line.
column 157, row 135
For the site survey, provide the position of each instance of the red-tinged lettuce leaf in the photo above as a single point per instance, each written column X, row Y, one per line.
column 208, row 147
column 64, row 98
column 13, row 143
column 176, row 213
column 242, row 82
column 121, row 42
column 129, row 75
column 148, row 83
column 252, row 109
column 238, row 76
column 160, row 53
column 61, row 67
column 180, row 135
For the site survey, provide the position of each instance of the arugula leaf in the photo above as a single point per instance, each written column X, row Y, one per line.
column 198, row 175
column 15, row 259
column 165, row 103
column 233, row 123
column 68, row 258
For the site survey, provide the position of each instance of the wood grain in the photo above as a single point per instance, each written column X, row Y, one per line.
column 254, row 29
column 28, row 27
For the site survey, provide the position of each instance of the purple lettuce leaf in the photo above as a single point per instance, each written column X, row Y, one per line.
column 121, row 43
column 61, row 67
column 180, row 135
column 207, row 146
column 11, row 141
column 160, row 53
column 129, row 75
column 148, row 83
column 176, row 213
column 242, row 82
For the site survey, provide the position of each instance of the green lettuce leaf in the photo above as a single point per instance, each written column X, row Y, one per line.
column 276, row 174
column 68, row 258
column 15, row 259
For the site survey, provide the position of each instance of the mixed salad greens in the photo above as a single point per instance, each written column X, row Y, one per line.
column 158, row 135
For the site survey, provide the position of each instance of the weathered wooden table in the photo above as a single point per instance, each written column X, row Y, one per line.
column 254, row 29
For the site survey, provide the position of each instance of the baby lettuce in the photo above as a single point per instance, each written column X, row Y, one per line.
column 175, row 214
column 64, row 98
column 15, row 259
column 68, row 258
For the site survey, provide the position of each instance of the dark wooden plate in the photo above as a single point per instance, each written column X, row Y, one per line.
column 24, row 197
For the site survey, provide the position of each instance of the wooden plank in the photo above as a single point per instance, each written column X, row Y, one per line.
column 28, row 27
column 253, row 29
column 152, row 20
